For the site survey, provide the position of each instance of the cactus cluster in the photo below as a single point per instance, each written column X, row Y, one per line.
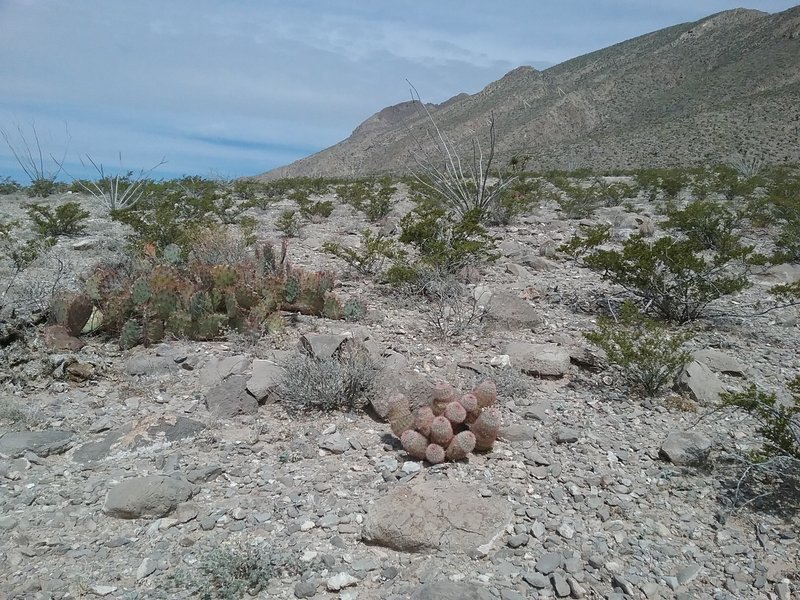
column 451, row 426
column 157, row 297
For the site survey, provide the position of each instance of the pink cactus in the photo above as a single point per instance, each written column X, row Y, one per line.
column 455, row 412
column 423, row 417
column 486, row 393
column 414, row 443
column 460, row 446
column 441, row 431
column 434, row 454
column 485, row 429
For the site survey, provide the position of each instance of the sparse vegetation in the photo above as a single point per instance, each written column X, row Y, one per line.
column 289, row 223
column 67, row 219
column 648, row 355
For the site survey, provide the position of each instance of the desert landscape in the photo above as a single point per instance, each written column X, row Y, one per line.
column 464, row 354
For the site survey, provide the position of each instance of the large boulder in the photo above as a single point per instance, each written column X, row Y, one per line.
column 146, row 497
column 539, row 360
column 701, row 383
column 41, row 443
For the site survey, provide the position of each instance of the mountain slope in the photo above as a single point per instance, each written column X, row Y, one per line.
column 688, row 94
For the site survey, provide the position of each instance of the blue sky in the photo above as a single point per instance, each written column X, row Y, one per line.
column 225, row 88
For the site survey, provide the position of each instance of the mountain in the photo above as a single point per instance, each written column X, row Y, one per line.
column 688, row 94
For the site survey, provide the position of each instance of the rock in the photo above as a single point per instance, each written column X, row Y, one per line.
column 565, row 435
column 231, row 399
column 217, row 369
column 146, row 497
column 450, row 590
column 560, row 585
column 72, row 311
column 720, row 362
column 517, row 271
column 325, row 346
column 305, row 589
column 549, row 562
column 264, row 381
column 334, row 442
column 57, row 337
column 151, row 430
column 517, row 433
column 688, row 574
column 147, row 365
column 508, row 311
column 539, row 360
column 41, row 443
column 536, row 580
column 340, row 581
column 701, row 382
column 685, row 448
column 538, row 263
column 79, row 371
column 436, row 515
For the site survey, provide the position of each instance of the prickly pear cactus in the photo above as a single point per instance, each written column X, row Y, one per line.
column 332, row 309
column 140, row 291
column 291, row 290
column 353, row 310
column 172, row 254
column 131, row 334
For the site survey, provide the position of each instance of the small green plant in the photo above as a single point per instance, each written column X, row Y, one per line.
column 779, row 424
column 228, row 574
column 519, row 198
column 648, row 355
column 66, row 220
column 710, row 224
column 9, row 186
column 289, row 223
column 369, row 257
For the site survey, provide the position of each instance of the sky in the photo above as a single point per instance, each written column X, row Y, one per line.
column 228, row 88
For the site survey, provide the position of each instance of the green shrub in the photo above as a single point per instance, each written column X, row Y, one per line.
column 41, row 188
column 289, row 223
column 227, row 574
column 9, row 186
column 519, row 198
column 326, row 384
column 779, row 424
column 648, row 355
column 710, row 224
column 369, row 257
column 68, row 219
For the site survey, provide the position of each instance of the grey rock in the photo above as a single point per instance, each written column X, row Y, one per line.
column 7, row 522
column 148, row 366
column 565, row 435
column 720, row 362
column 150, row 430
column 334, row 442
column 517, row 433
column 688, row 574
column 231, row 399
column 305, row 589
column 536, row 580
column 450, row 590
column 539, row 360
column 340, row 581
column 515, row 541
column 325, row 346
column 218, row 369
column 511, row 595
column 537, row 263
column 436, row 515
column 549, row 562
column 41, row 443
column 560, row 585
column 508, row 311
column 685, row 448
column 417, row 388
column 146, row 497
column 701, row 383
column 264, row 380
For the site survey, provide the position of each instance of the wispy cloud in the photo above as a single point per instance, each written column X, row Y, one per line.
column 240, row 87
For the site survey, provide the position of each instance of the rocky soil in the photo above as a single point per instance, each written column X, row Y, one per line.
column 121, row 470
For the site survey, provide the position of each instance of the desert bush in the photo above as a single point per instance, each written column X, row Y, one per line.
column 577, row 201
column 27, row 151
column 370, row 256
column 713, row 226
column 647, row 354
column 228, row 573
column 519, row 198
column 9, row 186
column 781, row 206
column 779, row 424
column 453, row 309
column 326, row 384
column 443, row 242
column 289, row 223
column 667, row 181
column 219, row 245
column 67, row 219
column 370, row 196
column 673, row 275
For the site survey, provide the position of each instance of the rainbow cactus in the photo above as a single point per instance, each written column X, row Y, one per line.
column 451, row 426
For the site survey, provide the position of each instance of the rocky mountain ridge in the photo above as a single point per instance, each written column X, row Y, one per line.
column 688, row 94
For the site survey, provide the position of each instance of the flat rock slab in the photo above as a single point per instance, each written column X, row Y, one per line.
column 451, row 590
column 686, row 448
column 508, row 311
column 436, row 515
column 41, row 443
column 264, row 380
column 146, row 497
column 148, row 431
column 539, row 360
column 701, row 383
column 720, row 362
column 217, row 369
column 231, row 398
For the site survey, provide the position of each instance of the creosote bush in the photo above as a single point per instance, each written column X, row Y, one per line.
column 67, row 219
column 649, row 356
column 289, row 223
column 370, row 256
column 779, row 424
